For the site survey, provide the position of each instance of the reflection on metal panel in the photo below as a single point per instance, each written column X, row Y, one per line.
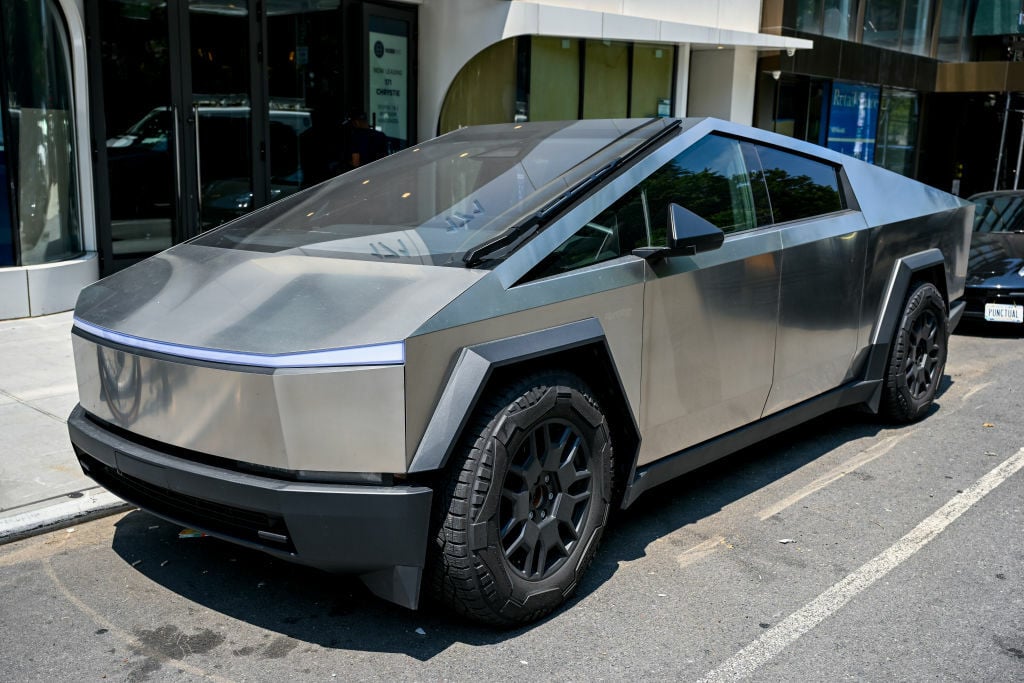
column 819, row 315
column 249, row 302
column 343, row 419
column 612, row 292
column 709, row 328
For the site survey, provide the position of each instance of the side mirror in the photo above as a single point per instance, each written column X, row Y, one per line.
column 689, row 234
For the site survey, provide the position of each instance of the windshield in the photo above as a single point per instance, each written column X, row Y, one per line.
column 999, row 213
column 432, row 203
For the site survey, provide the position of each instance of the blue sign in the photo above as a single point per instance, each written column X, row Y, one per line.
column 853, row 120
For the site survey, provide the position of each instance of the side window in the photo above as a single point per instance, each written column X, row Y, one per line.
column 615, row 231
column 708, row 178
column 798, row 187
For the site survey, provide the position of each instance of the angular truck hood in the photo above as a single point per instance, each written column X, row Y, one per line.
column 266, row 303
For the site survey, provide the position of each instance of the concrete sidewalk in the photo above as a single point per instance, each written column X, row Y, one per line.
column 41, row 485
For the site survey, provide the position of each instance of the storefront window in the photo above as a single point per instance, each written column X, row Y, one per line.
column 652, row 80
column 484, row 91
column 40, row 152
column 897, row 131
column 853, row 120
column 554, row 79
column 606, row 81
column 542, row 78
column 6, row 234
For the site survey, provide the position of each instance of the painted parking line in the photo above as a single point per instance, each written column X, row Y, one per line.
column 851, row 465
column 786, row 632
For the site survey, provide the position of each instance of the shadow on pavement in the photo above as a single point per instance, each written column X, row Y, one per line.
column 979, row 328
column 338, row 612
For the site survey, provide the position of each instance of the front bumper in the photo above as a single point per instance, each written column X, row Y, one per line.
column 377, row 532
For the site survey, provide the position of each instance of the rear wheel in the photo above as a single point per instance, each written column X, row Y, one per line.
column 918, row 356
column 526, row 501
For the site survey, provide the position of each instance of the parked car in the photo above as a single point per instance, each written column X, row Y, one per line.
column 995, row 270
column 454, row 361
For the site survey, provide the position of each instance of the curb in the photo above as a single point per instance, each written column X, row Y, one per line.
column 93, row 505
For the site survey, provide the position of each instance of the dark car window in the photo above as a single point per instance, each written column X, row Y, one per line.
column 798, row 187
column 618, row 230
column 708, row 178
column 999, row 213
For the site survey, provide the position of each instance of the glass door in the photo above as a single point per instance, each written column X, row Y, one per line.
column 220, row 109
column 142, row 137
column 176, row 100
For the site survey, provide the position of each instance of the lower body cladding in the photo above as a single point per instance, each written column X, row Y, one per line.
column 376, row 532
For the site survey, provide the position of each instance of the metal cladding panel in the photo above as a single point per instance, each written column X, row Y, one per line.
column 819, row 307
column 710, row 324
column 324, row 420
column 253, row 302
column 612, row 292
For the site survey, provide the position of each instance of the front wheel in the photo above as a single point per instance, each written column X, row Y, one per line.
column 526, row 501
column 918, row 356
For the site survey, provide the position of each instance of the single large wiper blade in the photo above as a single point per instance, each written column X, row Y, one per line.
column 510, row 240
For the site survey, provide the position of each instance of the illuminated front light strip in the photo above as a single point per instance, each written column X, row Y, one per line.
column 391, row 353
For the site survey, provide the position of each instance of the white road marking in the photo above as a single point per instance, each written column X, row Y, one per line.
column 876, row 451
column 700, row 551
column 975, row 389
column 779, row 637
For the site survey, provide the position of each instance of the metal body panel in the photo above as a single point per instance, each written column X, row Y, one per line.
column 709, row 330
column 255, row 302
column 819, row 316
column 314, row 420
column 548, row 303
column 947, row 231
column 469, row 378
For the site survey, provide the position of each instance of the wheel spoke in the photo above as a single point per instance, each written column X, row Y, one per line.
column 565, row 507
column 520, row 507
column 568, row 475
column 526, row 542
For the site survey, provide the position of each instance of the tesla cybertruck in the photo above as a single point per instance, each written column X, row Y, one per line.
column 440, row 371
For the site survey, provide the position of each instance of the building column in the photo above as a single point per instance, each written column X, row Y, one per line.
column 721, row 84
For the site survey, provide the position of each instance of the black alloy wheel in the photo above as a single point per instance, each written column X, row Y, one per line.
column 546, row 498
column 524, row 505
column 917, row 358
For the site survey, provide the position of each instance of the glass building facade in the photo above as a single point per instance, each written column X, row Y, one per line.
column 40, row 213
column 865, row 87
column 540, row 78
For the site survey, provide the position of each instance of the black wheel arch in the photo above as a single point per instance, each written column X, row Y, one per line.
column 578, row 347
column 908, row 271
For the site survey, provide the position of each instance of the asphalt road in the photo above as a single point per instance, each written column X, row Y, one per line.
column 905, row 562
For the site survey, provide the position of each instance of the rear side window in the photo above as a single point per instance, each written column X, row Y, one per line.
column 798, row 187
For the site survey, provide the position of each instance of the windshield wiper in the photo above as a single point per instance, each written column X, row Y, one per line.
column 510, row 240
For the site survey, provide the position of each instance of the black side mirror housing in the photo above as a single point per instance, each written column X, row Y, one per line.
column 689, row 234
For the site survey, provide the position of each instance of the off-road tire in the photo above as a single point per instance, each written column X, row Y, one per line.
column 482, row 563
column 917, row 358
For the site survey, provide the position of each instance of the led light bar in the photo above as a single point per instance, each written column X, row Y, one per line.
column 391, row 353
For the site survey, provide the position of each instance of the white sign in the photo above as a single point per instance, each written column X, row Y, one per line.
column 389, row 81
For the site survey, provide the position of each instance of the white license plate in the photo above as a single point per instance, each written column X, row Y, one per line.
column 1004, row 313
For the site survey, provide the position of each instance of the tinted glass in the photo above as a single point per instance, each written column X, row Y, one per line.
column 999, row 213
column 433, row 203
column 708, row 178
column 43, row 168
column 798, row 187
column 616, row 231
